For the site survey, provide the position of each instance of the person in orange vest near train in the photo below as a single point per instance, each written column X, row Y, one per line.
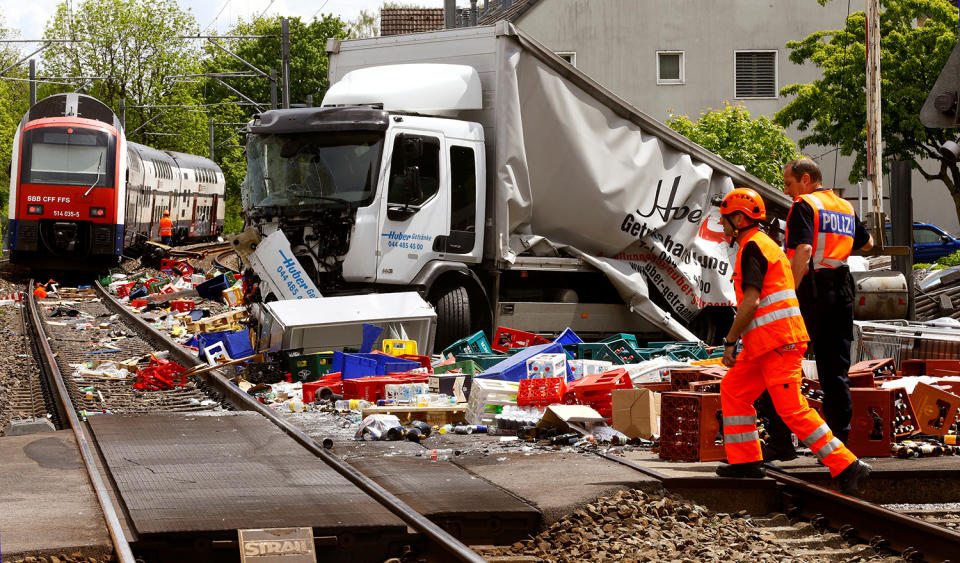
column 822, row 231
column 769, row 324
column 166, row 228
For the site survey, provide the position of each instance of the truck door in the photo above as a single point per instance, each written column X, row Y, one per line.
column 415, row 210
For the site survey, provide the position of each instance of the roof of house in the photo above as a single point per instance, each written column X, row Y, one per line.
column 398, row 21
column 511, row 14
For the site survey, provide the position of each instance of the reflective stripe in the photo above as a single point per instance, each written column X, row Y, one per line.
column 810, row 440
column 742, row 437
column 829, row 263
column 778, row 296
column 828, row 448
column 772, row 316
column 735, row 420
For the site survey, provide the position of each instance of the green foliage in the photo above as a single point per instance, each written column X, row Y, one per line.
column 137, row 49
column 367, row 24
column 920, row 266
column 758, row 145
column 14, row 99
column 917, row 37
column 949, row 261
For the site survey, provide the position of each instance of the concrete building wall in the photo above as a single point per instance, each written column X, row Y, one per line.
column 616, row 43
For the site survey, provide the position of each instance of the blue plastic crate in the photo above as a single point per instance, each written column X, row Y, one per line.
column 352, row 366
column 567, row 337
column 514, row 368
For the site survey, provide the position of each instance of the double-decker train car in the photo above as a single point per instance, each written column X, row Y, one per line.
column 80, row 195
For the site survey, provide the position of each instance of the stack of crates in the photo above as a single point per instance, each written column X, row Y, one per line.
column 487, row 399
column 541, row 391
column 597, row 391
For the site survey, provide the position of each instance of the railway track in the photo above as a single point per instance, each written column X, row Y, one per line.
column 915, row 534
column 94, row 326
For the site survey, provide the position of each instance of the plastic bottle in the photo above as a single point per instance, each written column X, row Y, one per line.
column 439, row 455
column 342, row 405
column 445, row 428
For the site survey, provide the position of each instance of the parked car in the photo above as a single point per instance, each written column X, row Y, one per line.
column 930, row 242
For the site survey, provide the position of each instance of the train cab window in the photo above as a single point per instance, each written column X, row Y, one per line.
column 70, row 156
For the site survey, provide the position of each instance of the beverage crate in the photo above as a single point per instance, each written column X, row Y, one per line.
column 364, row 365
column 596, row 390
column 424, row 361
column 691, row 427
column 313, row 390
column 810, row 389
column 597, row 351
column 486, row 395
column 904, row 418
column 466, row 366
column 181, row 305
column 680, row 378
column 541, row 391
column 871, row 427
column 482, row 361
column 935, row 409
column 629, row 338
column 374, row 387
column 400, row 347
column 310, row 367
column 706, row 386
column 567, row 337
column 547, row 365
column 928, row 367
column 507, row 338
column 514, row 368
column 474, row 344
column 580, row 368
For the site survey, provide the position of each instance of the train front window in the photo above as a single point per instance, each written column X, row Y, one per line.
column 69, row 156
column 318, row 169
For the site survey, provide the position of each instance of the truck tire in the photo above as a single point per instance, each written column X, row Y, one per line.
column 453, row 316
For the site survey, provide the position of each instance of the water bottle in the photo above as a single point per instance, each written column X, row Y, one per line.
column 446, row 428
column 439, row 455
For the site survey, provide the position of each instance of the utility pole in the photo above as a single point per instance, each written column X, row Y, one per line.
column 874, row 146
column 33, row 82
column 285, row 60
column 210, row 124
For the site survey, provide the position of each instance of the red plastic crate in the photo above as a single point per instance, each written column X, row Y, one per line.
column 936, row 409
column 331, row 381
column 424, row 360
column 507, row 338
column 871, row 427
column 372, row 388
column 595, row 390
column 181, row 305
column 138, row 302
column 541, row 391
column 124, row 290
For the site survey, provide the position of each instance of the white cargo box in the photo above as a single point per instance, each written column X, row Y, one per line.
column 332, row 323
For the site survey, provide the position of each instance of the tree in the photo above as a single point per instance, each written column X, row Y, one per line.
column 14, row 99
column 758, row 145
column 136, row 47
column 367, row 24
column 917, row 38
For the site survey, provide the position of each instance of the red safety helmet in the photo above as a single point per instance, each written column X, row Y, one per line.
column 745, row 201
column 167, row 211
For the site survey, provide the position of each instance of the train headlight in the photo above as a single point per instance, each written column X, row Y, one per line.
column 34, row 210
column 98, row 211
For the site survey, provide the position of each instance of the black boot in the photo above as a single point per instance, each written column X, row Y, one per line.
column 752, row 470
column 778, row 452
column 853, row 477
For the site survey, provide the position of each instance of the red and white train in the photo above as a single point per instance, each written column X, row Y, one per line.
column 80, row 194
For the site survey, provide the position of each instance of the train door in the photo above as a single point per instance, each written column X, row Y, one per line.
column 153, row 215
column 213, row 216
column 193, row 216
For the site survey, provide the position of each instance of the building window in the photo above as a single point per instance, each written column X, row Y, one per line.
column 669, row 67
column 569, row 56
column 756, row 74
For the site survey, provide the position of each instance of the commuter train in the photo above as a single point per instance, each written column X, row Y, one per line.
column 81, row 195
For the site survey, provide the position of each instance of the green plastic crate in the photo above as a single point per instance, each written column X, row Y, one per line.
column 474, row 344
column 466, row 366
column 310, row 367
column 630, row 338
column 598, row 351
column 484, row 361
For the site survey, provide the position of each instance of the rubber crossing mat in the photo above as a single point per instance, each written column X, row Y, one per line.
column 470, row 508
column 179, row 473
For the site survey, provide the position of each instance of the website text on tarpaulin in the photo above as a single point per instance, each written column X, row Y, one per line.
column 291, row 273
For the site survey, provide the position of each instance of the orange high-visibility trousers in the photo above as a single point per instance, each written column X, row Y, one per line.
column 779, row 372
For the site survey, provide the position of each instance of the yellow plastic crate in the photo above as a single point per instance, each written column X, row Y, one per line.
column 400, row 347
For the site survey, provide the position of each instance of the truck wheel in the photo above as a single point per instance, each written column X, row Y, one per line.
column 453, row 316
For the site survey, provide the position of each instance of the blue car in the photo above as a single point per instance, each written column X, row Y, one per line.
column 929, row 242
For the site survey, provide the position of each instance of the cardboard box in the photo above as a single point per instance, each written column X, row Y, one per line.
column 565, row 417
column 636, row 412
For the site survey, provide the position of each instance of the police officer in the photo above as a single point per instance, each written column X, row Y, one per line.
column 769, row 323
column 166, row 227
column 822, row 231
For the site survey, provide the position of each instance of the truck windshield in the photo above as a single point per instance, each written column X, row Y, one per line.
column 68, row 156
column 311, row 169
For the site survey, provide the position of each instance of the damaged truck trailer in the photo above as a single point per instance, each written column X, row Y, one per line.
column 480, row 169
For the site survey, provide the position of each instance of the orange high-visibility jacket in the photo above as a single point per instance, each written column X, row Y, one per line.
column 778, row 321
column 834, row 225
column 166, row 227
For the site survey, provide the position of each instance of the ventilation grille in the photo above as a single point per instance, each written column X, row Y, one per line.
column 756, row 74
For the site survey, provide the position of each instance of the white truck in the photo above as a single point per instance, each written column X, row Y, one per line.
column 508, row 188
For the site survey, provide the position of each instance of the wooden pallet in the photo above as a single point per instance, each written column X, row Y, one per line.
column 434, row 416
column 223, row 321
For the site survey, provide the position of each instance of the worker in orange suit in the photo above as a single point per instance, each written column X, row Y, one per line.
column 166, row 228
column 774, row 338
column 40, row 291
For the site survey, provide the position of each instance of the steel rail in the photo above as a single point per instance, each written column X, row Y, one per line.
column 243, row 401
column 59, row 390
column 912, row 537
column 218, row 262
column 852, row 517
